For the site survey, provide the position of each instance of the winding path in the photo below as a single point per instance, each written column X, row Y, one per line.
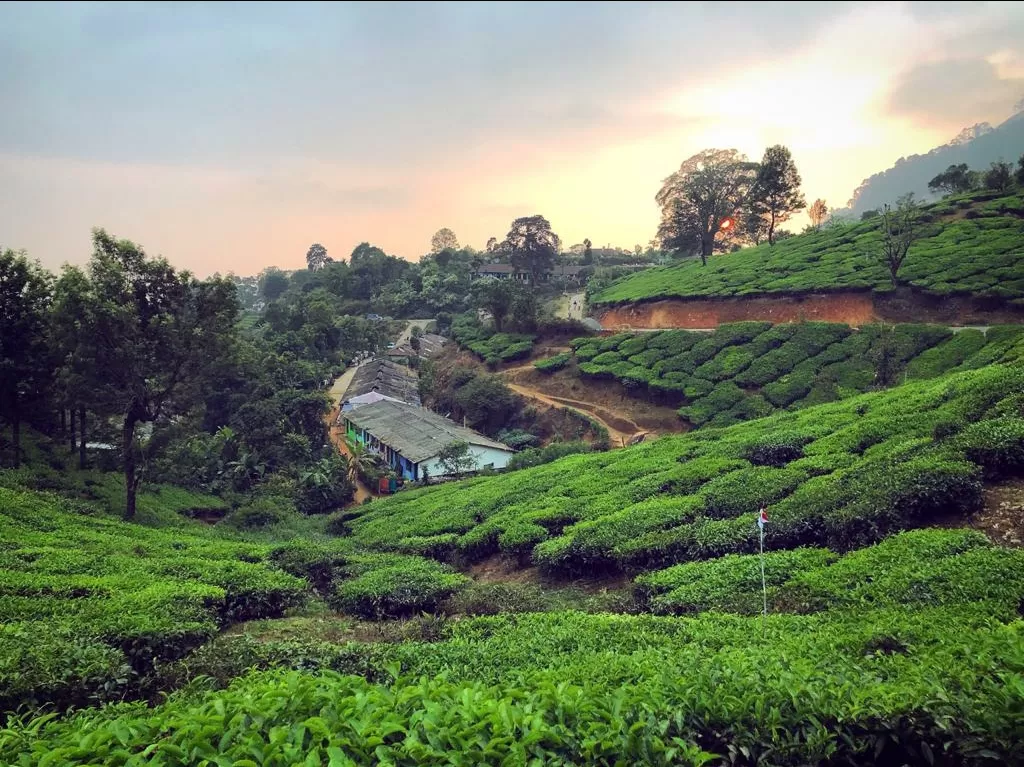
column 621, row 430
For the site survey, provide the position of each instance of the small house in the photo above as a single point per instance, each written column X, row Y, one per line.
column 409, row 438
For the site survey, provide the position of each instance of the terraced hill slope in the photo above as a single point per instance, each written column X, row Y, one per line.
column 975, row 247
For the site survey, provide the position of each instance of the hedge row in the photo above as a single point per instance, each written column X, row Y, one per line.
column 981, row 255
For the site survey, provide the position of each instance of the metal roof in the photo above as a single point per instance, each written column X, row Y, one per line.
column 387, row 378
column 414, row 432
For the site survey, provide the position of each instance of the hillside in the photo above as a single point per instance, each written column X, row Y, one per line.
column 978, row 147
column 842, row 474
column 750, row 369
column 305, row 650
column 977, row 253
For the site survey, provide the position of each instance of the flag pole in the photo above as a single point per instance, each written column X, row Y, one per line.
column 762, row 517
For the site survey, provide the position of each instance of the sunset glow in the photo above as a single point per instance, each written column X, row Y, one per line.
column 230, row 137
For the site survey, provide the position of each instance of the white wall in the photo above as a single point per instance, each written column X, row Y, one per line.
column 482, row 455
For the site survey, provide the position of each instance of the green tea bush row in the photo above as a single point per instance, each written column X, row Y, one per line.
column 981, row 255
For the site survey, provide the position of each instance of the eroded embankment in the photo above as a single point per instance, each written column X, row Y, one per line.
column 851, row 308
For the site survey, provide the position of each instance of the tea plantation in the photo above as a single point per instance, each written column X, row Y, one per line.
column 888, row 641
column 982, row 254
column 747, row 370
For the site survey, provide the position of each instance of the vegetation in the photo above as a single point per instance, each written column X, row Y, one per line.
column 980, row 255
column 843, row 474
column 750, row 369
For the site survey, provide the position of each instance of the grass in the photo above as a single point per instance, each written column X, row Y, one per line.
column 983, row 256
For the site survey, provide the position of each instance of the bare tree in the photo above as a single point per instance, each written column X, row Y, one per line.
column 817, row 213
column 901, row 227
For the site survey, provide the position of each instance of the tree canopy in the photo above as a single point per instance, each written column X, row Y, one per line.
column 709, row 187
column 776, row 194
column 532, row 245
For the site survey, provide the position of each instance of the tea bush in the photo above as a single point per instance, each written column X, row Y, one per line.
column 981, row 255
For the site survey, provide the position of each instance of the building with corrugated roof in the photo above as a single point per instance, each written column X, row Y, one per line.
column 409, row 438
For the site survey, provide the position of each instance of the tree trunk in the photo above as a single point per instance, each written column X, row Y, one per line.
column 63, row 421
column 71, row 437
column 81, row 442
column 771, row 230
column 16, row 437
column 131, row 480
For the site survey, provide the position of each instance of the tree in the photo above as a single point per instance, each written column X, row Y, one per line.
column 25, row 362
column 532, row 246
column 496, row 297
column 524, row 309
column 754, row 227
column 316, row 257
column 492, row 244
column 588, row 252
column 443, row 239
column 153, row 331
column 817, row 213
column 901, row 227
column 273, row 283
column 74, row 349
column 869, row 214
column 953, row 180
column 457, row 459
column 776, row 194
column 1019, row 175
column 999, row 176
column 708, row 188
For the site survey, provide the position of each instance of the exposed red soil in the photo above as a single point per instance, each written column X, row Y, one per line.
column 851, row 308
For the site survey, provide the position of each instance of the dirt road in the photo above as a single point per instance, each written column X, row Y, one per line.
column 620, row 428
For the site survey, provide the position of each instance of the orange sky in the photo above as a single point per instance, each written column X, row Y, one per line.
column 231, row 141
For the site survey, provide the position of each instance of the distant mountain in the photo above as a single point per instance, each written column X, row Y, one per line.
column 978, row 146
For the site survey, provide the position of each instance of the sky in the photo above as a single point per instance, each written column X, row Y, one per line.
column 229, row 137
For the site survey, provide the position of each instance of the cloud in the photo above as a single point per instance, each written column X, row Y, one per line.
column 957, row 91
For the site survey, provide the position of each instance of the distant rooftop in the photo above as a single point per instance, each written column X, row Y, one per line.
column 416, row 433
column 384, row 377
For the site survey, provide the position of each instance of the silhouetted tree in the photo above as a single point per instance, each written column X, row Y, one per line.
column 1019, row 175
column 532, row 246
column 708, row 188
column 776, row 194
column 588, row 250
column 443, row 239
column 999, row 176
column 953, row 180
column 316, row 257
column 273, row 282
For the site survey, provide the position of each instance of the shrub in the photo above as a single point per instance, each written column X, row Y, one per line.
column 776, row 449
column 395, row 587
column 496, row 598
column 262, row 512
column 551, row 364
column 997, row 445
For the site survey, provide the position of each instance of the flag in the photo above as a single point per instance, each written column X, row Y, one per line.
column 762, row 518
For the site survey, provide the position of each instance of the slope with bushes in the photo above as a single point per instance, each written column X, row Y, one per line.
column 843, row 474
column 750, row 369
column 975, row 245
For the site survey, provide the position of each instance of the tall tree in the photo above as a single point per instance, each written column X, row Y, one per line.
column 817, row 213
column 25, row 361
column 953, row 180
column 154, row 330
column 532, row 246
column 443, row 239
column 776, row 194
column 74, row 346
column 316, row 257
column 901, row 227
column 1019, row 173
column 496, row 297
column 999, row 176
column 708, row 188
column 588, row 251
column 273, row 282
column 492, row 244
